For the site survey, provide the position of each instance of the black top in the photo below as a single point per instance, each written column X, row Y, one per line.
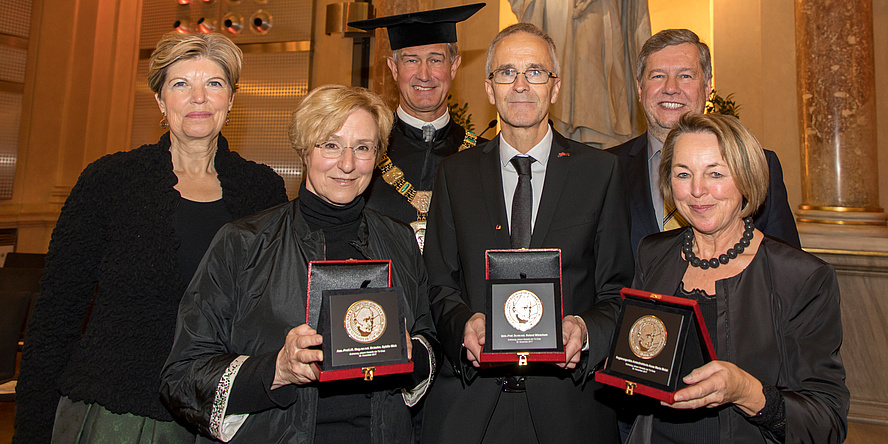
column 343, row 407
column 113, row 255
column 690, row 426
column 196, row 223
column 701, row 425
column 339, row 223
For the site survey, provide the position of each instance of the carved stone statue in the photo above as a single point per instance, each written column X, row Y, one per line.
column 598, row 43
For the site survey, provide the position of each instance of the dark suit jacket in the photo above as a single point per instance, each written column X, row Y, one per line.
column 774, row 217
column 583, row 212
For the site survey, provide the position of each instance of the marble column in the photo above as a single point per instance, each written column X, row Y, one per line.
column 837, row 112
column 381, row 81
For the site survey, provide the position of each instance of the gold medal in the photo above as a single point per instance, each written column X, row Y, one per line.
column 647, row 337
column 365, row 321
column 523, row 310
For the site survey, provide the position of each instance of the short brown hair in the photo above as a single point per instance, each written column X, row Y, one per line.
column 529, row 29
column 673, row 37
column 739, row 148
column 325, row 109
column 174, row 47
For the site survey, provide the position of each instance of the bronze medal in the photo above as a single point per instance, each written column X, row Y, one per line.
column 365, row 321
column 647, row 337
column 523, row 310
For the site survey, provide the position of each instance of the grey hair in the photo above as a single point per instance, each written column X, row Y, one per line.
column 453, row 48
column 530, row 29
column 672, row 37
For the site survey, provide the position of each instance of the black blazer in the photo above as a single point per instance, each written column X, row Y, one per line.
column 583, row 212
column 780, row 321
column 774, row 218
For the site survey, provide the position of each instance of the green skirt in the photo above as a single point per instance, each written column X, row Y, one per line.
column 77, row 422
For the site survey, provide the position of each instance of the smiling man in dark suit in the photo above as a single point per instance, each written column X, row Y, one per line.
column 674, row 77
column 575, row 202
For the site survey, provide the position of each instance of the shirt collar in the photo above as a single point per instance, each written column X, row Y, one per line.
column 540, row 151
column 438, row 123
column 654, row 146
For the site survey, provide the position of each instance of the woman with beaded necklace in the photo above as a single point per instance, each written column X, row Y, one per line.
column 772, row 310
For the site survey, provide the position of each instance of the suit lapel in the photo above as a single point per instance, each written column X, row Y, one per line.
column 557, row 170
column 639, row 185
column 490, row 170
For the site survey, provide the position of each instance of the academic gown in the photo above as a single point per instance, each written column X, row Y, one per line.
column 418, row 159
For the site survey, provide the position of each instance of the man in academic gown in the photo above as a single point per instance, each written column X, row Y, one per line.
column 572, row 199
column 675, row 77
column 424, row 62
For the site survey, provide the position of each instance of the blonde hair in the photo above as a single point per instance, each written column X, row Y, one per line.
column 739, row 148
column 325, row 109
column 174, row 47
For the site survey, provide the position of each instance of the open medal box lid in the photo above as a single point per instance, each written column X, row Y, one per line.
column 516, row 275
column 354, row 279
column 658, row 340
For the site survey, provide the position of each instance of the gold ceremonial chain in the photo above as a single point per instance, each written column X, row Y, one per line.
column 469, row 141
column 394, row 176
column 420, row 200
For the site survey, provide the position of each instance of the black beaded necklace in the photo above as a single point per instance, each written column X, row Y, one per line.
column 688, row 248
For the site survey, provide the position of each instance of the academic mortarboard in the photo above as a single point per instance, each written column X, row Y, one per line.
column 421, row 28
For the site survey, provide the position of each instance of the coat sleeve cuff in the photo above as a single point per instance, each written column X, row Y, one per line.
column 222, row 426
column 413, row 395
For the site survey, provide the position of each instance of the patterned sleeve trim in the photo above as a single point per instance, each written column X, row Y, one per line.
column 221, row 427
column 412, row 396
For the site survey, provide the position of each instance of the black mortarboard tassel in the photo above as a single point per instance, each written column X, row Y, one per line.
column 421, row 28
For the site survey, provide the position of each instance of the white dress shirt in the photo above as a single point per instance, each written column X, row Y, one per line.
column 438, row 123
column 540, row 153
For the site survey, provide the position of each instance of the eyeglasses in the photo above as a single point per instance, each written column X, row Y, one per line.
column 332, row 150
column 507, row 76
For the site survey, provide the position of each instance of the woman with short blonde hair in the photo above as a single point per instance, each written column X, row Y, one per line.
column 772, row 310
column 243, row 366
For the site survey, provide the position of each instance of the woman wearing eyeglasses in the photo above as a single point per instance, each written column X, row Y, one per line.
column 240, row 365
